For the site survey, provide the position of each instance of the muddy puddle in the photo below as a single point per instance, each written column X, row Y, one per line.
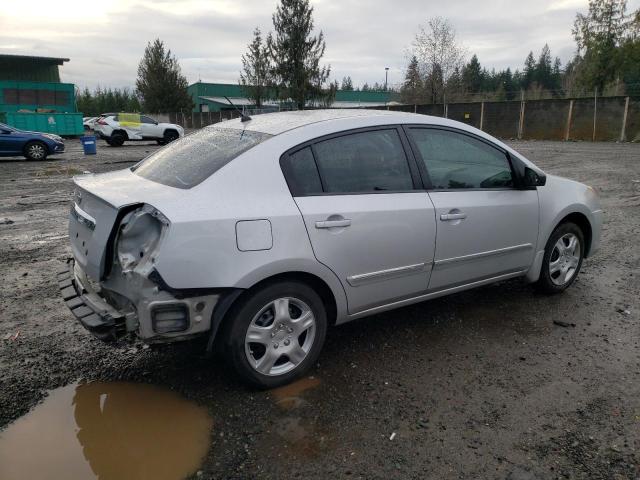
column 293, row 429
column 107, row 431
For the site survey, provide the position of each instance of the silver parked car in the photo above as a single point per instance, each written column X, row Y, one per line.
column 260, row 233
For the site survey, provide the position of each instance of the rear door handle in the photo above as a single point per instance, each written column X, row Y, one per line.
column 345, row 222
column 452, row 216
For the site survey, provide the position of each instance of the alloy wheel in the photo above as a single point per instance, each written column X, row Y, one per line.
column 280, row 336
column 565, row 259
column 36, row 151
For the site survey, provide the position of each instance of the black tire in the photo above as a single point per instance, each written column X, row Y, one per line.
column 170, row 136
column 36, row 151
column 549, row 281
column 117, row 139
column 243, row 314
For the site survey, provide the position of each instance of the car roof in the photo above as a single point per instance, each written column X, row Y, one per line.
column 280, row 122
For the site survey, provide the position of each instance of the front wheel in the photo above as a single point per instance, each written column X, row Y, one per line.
column 562, row 258
column 170, row 136
column 276, row 334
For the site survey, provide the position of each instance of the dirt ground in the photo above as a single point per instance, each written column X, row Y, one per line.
column 481, row 384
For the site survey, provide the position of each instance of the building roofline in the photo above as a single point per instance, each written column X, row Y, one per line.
column 56, row 60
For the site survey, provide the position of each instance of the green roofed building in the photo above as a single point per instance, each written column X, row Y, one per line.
column 30, row 90
column 209, row 97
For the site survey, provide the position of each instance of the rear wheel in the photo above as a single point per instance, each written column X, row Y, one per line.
column 117, row 139
column 562, row 258
column 35, row 151
column 276, row 334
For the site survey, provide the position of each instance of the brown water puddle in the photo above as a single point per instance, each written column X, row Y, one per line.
column 298, row 435
column 290, row 396
column 107, row 431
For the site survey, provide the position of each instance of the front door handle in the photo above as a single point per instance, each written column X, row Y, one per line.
column 345, row 222
column 452, row 216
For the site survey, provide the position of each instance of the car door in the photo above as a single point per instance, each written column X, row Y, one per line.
column 487, row 227
column 149, row 127
column 11, row 141
column 366, row 215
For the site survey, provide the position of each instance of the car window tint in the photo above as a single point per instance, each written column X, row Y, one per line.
column 146, row 119
column 364, row 162
column 302, row 173
column 454, row 160
column 191, row 159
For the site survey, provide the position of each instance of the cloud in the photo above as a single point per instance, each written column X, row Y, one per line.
column 106, row 41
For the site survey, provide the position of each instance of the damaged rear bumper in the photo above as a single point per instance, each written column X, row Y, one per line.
column 147, row 310
column 91, row 310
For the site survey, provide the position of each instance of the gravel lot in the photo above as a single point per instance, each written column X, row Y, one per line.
column 481, row 384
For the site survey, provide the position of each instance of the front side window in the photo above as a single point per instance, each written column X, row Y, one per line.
column 457, row 161
column 372, row 161
column 192, row 159
column 146, row 119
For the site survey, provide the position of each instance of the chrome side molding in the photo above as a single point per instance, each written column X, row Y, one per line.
column 488, row 253
column 364, row 278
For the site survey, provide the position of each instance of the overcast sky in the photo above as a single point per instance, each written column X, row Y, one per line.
column 105, row 39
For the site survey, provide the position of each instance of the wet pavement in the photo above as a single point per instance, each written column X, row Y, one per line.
column 481, row 384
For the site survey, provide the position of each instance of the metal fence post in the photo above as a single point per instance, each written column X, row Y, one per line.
column 521, row 123
column 481, row 114
column 415, row 108
column 569, row 117
column 595, row 113
column 623, row 130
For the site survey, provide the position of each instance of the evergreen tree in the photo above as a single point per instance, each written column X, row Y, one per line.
column 256, row 73
column 412, row 89
column 472, row 76
column 296, row 53
column 598, row 34
column 160, row 84
column 543, row 69
column 347, row 84
column 529, row 73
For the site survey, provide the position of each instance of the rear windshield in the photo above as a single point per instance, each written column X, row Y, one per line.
column 190, row 160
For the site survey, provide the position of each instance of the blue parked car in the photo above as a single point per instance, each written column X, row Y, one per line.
column 31, row 145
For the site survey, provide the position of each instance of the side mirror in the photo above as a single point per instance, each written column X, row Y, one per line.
column 533, row 179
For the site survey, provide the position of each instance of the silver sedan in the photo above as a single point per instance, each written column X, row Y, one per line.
column 257, row 234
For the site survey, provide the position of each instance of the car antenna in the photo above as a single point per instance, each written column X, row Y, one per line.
column 243, row 117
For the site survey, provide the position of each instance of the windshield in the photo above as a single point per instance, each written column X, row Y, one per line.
column 6, row 127
column 190, row 160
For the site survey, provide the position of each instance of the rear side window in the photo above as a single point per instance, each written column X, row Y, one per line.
column 372, row 161
column 192, row 159
column 302, row 173
column 457, row 161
